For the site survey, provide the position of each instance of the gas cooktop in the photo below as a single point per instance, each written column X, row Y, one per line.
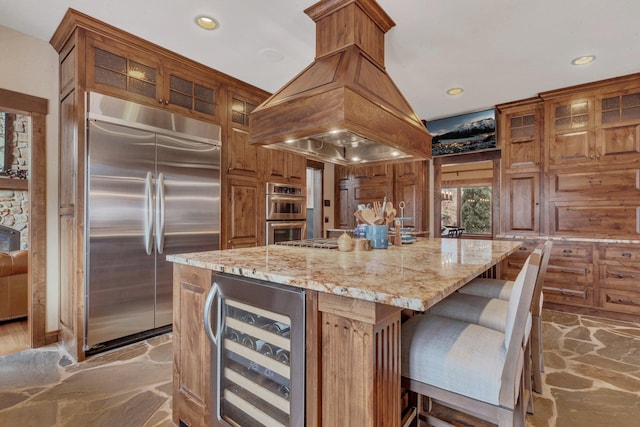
column 311, row 243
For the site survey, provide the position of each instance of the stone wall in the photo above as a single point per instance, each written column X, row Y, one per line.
column 14, row 204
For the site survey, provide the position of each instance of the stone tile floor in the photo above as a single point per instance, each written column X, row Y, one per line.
column 130, row 386
column 592, row 379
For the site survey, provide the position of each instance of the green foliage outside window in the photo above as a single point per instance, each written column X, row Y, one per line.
column 476, row 210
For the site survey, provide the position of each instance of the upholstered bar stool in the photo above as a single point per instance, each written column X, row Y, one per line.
column 475, row 303
column 471, row 368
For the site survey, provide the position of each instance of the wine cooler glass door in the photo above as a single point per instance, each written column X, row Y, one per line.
column 260, row 358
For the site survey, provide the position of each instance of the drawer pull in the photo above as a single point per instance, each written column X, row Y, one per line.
column 621, row 300
column 523, row 248
column 595, row 181
column 567, row 251
column 626, row 254
column 621, row 275
column 595, row 219
column 568, row 270
column 567, row 292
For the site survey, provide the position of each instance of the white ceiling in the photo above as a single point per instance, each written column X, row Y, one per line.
column 497, row 50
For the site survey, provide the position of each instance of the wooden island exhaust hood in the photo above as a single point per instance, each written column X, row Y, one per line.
column 343, row 108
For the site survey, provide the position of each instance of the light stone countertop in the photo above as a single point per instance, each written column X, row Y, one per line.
column 414, row 276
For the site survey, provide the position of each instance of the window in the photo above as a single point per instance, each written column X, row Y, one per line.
column 468, row 207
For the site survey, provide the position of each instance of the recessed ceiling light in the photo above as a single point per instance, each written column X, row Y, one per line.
column 206, row 22
column 455, row 91
column 582, row 60
column 272, row 55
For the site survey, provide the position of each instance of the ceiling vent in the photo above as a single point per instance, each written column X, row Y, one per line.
column 343, row 108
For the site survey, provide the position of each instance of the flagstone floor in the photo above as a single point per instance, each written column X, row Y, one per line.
column 592, row 379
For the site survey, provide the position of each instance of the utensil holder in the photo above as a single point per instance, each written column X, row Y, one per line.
column 378, row 235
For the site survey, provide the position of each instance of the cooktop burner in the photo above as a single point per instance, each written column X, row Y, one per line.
column 312, row 243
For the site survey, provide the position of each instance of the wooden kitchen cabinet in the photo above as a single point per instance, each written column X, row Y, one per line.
column 242, row 158
column 243, row 188
column 345, row 207
column 130, row 73
column 405, row 181
column 371, row 171
column 619, row 278
column 584, row 189
column 521, row 195
column 245, row 212
column 284, row 167
column 570, row 275
column 191, row 348
column 410, row 186
column 598, row 125
column 520, row 130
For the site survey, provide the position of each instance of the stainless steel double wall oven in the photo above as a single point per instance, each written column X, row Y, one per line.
column 286, row 212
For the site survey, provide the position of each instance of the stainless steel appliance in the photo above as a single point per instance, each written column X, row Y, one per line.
column 257, row 332
column 286, row 212
column 153, row 188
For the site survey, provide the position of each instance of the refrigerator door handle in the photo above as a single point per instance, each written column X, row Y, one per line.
column 208, row 305
column 148, row 214
column 160, row 213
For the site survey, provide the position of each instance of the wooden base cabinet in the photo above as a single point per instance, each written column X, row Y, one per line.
column 620, row 278
column 191, row 348
column 594, row 278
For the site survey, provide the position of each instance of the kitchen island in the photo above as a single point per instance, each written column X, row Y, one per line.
column 354, row 302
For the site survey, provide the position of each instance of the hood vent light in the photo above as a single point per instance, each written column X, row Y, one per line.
column 344, row 105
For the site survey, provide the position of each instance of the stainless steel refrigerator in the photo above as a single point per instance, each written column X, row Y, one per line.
column 153, row 189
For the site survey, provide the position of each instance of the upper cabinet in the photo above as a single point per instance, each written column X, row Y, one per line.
column 242, row 158
column 521, row 126
column 284, row 167
column 595, row 126
column 129, row 73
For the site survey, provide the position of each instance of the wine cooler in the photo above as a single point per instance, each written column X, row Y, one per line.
column 257, row 335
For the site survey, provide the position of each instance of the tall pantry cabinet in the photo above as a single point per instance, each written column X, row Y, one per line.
column 589, row 192
column 94, row 56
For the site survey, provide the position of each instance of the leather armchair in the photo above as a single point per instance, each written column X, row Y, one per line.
column 14, row 287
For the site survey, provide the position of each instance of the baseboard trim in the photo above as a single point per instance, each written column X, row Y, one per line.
column 50, row 337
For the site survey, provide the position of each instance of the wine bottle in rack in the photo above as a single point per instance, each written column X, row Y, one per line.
column 282, row 356
column 279, row 328
column 234, row 335
column 266, row 349
column 284, row 391
column 249, row 342
column 256, row 320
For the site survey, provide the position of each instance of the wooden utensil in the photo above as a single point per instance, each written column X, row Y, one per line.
column 368, row 216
